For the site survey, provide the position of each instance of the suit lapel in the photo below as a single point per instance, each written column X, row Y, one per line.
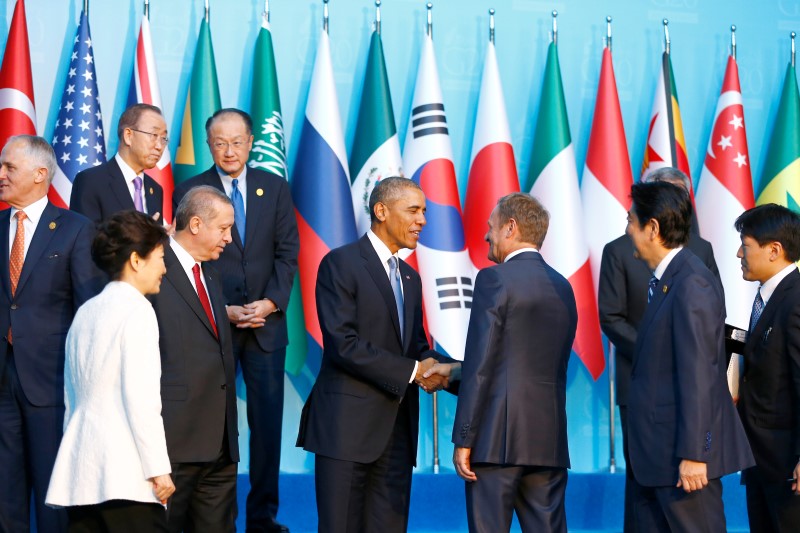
column 154, row 203
column 119, row 185
column 768, row 315
column 255, row 204
column 378, row 274
column 409, row 303
column 44, row 232
column 178, row 278
column 4, row 273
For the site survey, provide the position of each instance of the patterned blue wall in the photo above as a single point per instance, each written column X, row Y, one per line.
column 700, row 40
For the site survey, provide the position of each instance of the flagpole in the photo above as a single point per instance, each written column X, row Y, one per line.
column 207, row 12
column 86, row 7
column 555, row 28
column 793, row 35
column 435, row 395
column 325, row 16
column 147, row 9
column 608, row 33
column 491, row 25
column 733, row 41
column 429, row 7
column 266, row 10
column 665, row 22
column 378, row 17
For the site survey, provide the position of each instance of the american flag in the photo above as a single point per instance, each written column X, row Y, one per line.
column 78, row 138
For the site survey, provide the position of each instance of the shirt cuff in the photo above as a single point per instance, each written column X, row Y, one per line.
column 414, row 374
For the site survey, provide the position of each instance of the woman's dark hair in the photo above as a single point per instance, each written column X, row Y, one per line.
column 121, row 235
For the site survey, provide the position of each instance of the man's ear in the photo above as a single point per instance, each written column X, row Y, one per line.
column 380, row 211
column 194, row 225
column 655, row 229
column 776, row 251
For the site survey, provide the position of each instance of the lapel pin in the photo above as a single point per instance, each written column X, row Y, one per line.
column 259, row 192
column 151, row 190
column 52, row 225
column 408, row 277
column 665, row 289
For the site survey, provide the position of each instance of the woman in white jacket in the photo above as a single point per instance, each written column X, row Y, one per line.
column 112, row 472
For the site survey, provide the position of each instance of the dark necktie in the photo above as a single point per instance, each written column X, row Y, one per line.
column 238, row 209
column 138, row 203
column 651, row 287
column 204, row 301
column 758, row 308
column 394, row 278
column 17, row 258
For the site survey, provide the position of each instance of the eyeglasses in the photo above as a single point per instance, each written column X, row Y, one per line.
column 220, row 146
column 154, row 137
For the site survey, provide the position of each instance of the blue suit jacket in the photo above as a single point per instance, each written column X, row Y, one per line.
column 57, row 277
column 512, row 397
column 679, row 406
column 265, row 266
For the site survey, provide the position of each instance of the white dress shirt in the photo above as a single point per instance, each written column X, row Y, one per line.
column 34, row 212
column 662, row 266
column 520, row 251
column 113, row 431
column 772, row 283
column 129, row 174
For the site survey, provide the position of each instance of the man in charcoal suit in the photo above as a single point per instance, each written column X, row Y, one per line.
column 257, row 271
column 198, row 392
column 46, row 273
column 683, row 431
column 769, row 392
column 622, row 299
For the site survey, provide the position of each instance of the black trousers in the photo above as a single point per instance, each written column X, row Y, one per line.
column 629, row 524
column 117, row 516
column 367, row 497
column 263, row 374
column 667, row 509
column 772, row 507
column 535, row 493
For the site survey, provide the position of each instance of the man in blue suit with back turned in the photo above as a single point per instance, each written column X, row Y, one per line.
column 683, row 428
column 46, row 273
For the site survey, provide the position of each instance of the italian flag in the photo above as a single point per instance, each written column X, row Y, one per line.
column 555, row 184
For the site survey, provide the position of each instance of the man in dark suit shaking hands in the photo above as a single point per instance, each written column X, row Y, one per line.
column 46, row 273
column 121, row 183
column 683, row 431
column 198, row 388
column 257, row 271
column 362, row 416
column 769, row 392
column 510, row 429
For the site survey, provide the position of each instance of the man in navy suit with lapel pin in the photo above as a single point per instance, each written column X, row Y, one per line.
column 121, row 183
column 769, row 392
column 683, row 429
column 361, row 419
column 257, row 272
column 46, row 273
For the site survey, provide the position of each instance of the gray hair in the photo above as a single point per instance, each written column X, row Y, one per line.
column 670, row 175
column 38, row 152
column 201, row 201
column 387, row 191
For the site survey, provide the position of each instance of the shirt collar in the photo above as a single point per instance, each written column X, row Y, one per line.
column 515, row 253
column 33, row 211
column 228, row 180
column 772, row 283
column 127, row 172
column 662, row 266
column 184, row 258
column 380, row 247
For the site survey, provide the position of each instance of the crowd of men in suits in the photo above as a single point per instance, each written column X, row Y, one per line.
column 229, row 271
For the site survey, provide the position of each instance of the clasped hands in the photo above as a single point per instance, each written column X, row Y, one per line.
column 252, row 315
column 433, row 376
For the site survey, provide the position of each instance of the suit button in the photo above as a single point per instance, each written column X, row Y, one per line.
column 223, row 386
column 13, row 306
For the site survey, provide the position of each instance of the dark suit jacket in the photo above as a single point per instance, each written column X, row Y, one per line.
column 198, row 391
column 679, row 405
column 512, row 399
column 58, row 275
column 266, row 265
column 769, row 393
column 99, row 192
column 365, row 370
column 622, row 299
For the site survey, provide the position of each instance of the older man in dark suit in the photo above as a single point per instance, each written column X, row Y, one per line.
column 361, row 419
column 769, row 393
column 622, row 299
column 510, row 428
column 46, row 273
column 121, row 183
column 683, row 432
column 198, row 392
column 257, row 272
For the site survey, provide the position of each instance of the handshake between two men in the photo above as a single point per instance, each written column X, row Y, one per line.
column 434, row 376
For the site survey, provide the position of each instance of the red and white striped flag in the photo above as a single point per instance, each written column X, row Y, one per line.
column 607, row 176
column 725, row 191
column 493, row 172
column 144, row 90
column 17, row 111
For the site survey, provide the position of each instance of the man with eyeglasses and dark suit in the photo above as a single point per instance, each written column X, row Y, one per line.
column 121, row 183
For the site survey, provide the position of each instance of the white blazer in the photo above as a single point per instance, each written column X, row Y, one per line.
column 113, row 432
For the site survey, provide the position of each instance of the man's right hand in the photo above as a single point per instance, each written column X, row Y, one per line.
column 432, row 383
column 163, row 487
column 244, row 318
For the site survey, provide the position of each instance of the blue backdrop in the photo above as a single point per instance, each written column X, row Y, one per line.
column 700, row 41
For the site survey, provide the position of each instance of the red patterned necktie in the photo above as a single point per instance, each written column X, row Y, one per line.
column 204, row 301
column 17, row 257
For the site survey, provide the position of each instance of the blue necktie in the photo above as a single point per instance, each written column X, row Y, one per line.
column 651, row 287
column 758, row 308
column 238, row 209
column 394, row 278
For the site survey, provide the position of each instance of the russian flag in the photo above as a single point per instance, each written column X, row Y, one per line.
column 441, row 254
column 320, row 188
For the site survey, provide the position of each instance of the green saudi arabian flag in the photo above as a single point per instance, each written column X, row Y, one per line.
column 376, row 148
column 780, row 180
column 269, row 146
column 202, row 100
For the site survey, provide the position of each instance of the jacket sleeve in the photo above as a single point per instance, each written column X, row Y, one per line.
column 286, row 248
